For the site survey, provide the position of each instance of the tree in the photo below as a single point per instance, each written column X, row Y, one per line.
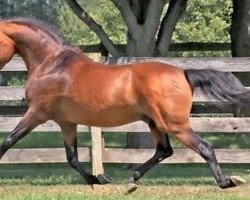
column 78, row 33
column 240, row 35
column 150, row 25
column 240, row 40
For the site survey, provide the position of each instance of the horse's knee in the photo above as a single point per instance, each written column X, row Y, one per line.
column 73, row 161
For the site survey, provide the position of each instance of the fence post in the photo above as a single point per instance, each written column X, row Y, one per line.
column 97, row 149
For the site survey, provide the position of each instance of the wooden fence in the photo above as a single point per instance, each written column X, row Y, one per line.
column 174, row 47
column 98, row 153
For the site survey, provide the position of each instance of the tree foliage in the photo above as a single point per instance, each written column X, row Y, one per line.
column 38, row 9
column 205, row 21
column 103, row 11
column 73, row 30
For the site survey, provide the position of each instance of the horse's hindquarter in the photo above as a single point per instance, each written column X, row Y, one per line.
column 166, row 92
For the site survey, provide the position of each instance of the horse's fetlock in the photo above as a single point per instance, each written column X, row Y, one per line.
column 136, row 175
column 169, row 152
column 227, row 183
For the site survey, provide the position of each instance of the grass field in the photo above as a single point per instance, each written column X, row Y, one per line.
column 173, row 181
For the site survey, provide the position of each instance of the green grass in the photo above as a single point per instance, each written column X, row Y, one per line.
column 62, row 174
column 116, row 192
column 171, row 181
column 17, row 80
column 174, row 181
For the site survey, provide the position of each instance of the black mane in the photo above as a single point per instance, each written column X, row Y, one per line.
column 34, row 25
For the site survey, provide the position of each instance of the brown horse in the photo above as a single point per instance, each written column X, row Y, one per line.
column 69, row 88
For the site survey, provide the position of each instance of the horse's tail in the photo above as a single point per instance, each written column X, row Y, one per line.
column 218, row 85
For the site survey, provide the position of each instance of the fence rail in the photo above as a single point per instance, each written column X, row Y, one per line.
column 199, row 124
column 98, row 153
column 120, row 155
column 174, row 47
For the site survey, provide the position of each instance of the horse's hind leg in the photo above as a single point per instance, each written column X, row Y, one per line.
column 206, row 151
column 29, row 121
column 163, row 150
column 70, row 141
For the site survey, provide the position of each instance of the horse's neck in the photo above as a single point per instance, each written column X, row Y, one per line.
column 35, row 53
column 35, row 56
column 34, row 47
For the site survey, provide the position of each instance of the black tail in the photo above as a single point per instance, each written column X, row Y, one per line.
column 218, row 85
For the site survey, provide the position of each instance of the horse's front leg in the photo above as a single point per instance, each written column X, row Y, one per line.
column 69, row 132
column 29, row 121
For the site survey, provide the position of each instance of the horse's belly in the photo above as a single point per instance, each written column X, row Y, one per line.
column 110, row 119
column 113, row 116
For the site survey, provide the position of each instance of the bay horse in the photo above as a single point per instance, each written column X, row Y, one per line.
column 69, row 88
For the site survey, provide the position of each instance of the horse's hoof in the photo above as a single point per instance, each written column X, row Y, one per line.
column 131, row 187
column 103, row 179
column 237, row 180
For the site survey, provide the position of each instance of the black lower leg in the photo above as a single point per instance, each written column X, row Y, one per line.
column 72, row 157
column 19, row 132
column 161, row 153
column 163, row 150
column 207, row 152
column 27, row 123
